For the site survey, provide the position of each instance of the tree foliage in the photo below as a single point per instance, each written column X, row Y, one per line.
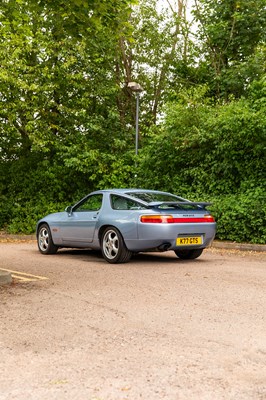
column 232, row 35
column 67, row 116
column 216, row 149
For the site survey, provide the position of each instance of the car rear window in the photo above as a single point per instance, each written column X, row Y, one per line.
column 164, row 198
column 150, row 197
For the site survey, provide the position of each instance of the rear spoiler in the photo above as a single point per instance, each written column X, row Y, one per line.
column 177, row 204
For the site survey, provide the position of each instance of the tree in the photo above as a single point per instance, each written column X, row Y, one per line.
column 57, row 97
column 51, row 75
column 231, row 33
column 159, row 42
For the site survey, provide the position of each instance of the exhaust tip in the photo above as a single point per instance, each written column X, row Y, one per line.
column 164, row 246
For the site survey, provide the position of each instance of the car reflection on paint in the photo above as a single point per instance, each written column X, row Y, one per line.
column 122, row 222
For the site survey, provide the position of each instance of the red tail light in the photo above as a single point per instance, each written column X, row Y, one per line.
column 169, row 219
column 157, row 219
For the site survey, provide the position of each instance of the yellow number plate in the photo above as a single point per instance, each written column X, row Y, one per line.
column 188, row 241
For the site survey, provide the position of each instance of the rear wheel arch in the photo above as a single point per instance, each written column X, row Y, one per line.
column 112, row 245
column 102, row 229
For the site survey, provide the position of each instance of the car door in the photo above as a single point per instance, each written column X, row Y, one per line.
column 79, row 227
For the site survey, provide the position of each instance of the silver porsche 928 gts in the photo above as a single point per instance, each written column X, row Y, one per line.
column 121, row 222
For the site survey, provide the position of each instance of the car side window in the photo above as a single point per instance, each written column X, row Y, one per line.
column 91, row 203
column 122, row 203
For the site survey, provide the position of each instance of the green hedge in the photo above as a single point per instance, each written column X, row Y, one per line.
column 241, row 217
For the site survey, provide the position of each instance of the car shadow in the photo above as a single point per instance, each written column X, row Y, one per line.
column 79, row 252
column 147, row 258
column 166, row 257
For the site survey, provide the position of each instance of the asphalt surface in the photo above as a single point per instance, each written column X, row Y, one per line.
column 74, row 326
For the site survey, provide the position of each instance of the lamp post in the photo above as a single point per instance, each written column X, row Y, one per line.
column 135, row 87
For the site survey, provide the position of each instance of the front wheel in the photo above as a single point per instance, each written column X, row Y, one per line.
column 188, row 254
column 113, row 247
column 45, row 241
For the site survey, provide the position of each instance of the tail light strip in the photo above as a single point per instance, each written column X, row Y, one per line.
column 169, row 219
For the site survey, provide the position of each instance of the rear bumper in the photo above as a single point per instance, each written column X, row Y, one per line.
column 155, row 237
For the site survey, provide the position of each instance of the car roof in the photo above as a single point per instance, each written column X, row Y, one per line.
column 130, row 190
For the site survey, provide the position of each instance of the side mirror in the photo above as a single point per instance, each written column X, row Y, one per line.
column 69, row 210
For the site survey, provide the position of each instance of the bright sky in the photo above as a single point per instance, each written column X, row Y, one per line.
column 173, row 4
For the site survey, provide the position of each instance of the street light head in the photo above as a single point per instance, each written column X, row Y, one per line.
column 135, row 87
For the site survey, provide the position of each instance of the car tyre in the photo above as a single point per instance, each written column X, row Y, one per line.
column 113, row 247
column 188, row 254
column 45, row 241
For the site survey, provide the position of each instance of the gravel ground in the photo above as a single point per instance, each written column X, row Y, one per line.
column 155, row 328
